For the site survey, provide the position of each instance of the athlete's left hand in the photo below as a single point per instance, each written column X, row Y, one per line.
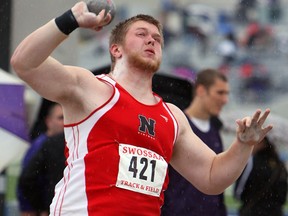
column 250, row 129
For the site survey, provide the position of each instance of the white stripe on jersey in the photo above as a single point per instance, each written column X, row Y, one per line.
column 174, row 121
column 64, row 202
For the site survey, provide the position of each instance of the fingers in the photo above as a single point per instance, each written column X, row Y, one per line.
column 250, row 129
column 267, row 129
column 255, row 117
column 264, row 117
column 243, row 123
column 104, row 19
column 101, row 15
column 107, row 18
column 88, row 19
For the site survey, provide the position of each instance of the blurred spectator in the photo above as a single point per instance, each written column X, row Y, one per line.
column 227, row 49
column 255, row 81
column 262, row 187
column 274, row 10
column 171, row 19
column 48, row 163
column 257, row 36
column 211, row 91
column 199, row 23
column 245, row 10
column 225, row 25
column 54, row 124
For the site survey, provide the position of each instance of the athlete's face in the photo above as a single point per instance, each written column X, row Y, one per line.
column 142, row 46
column 216, row 97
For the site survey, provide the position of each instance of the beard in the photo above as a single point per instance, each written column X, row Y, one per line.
column 142, row 63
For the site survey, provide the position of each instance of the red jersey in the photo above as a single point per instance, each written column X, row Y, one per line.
column 117, row 159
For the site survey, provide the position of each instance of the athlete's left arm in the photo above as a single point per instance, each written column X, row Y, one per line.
column 209, row 172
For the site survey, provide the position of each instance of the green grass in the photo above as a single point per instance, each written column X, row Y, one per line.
column 11, row 188
column 231, row 203
column 12, row 174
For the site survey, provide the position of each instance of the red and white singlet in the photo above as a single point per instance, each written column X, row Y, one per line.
column 117, row 159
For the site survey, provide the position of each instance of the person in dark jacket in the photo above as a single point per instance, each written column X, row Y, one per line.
column 48, row 162
column 262, row 187
column 53, row 124
column 211, row 90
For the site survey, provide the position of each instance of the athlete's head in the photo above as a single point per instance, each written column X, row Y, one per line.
column 119, row 33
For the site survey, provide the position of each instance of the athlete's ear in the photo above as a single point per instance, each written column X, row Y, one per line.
column 115, row 51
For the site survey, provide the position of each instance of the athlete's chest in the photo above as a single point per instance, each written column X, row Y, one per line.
column 135, row 119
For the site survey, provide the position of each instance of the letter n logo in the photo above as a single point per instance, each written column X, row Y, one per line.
column 147, row 125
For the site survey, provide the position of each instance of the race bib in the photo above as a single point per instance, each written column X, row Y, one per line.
column 141, row 170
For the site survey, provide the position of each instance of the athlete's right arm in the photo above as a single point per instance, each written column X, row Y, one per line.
column 32, row 61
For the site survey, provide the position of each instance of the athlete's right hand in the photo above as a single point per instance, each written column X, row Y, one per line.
column 88, row 19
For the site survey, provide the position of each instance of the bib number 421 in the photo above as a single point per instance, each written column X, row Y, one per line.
column 141, row 170
column 141, row 167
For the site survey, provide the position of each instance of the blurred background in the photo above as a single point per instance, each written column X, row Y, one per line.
column 246, row 39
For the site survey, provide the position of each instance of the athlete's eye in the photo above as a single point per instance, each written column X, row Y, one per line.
column 158, row 39
column 141, row 34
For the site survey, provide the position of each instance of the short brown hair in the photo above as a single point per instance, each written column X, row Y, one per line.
column 119, row 32
column 207, row 78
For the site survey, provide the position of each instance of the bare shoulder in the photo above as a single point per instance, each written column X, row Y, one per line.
column 183, row 124
column 177, row 112
column 85, row 81
column 87, row 94
column 81, row 74
column 174, row 108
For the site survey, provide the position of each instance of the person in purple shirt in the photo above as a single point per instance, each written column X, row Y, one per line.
column 211, row 90
column 54, row 125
